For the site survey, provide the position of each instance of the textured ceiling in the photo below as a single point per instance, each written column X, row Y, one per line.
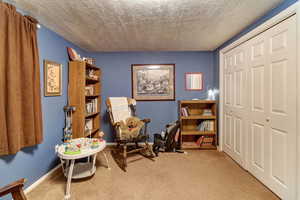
column 146, row 25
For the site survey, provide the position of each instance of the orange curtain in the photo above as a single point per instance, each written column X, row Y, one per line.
column 20, row 95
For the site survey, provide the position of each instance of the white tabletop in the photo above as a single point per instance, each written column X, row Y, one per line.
column 84, row 152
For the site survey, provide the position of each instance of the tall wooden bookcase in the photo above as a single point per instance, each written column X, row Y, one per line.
column 190, row 122
column 82, row 90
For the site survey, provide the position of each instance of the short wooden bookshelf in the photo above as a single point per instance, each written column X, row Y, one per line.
column 198, row 124
column 85, row 94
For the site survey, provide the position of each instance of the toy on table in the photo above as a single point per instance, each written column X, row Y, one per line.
column 72, row 149
column 76, row 146
column 101, row 135
column 95, row 143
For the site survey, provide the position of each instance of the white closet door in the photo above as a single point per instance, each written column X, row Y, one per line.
column 258, row 133
column 228, row 102
column 234, row 119
column 239, row 104
column 273, row 108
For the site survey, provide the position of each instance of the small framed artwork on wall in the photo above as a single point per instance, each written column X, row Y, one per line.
column 52, row 78
column 193, row 81
column 153, row 82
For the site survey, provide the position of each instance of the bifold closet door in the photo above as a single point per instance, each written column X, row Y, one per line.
column 272, row 124
column 234, row 104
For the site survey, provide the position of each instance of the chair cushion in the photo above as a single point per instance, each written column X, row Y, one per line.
column 130, row 128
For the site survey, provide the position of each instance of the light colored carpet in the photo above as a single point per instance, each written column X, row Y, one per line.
column 198, row 175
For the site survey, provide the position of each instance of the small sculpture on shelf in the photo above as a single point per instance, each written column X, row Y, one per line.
column 68, row 123
column 90, row 73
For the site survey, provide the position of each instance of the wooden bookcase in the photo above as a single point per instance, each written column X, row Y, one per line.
column 189, row 125
column 79, row 96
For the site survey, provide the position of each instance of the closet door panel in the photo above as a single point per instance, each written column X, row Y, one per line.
column 239, row 106
column 239, row 90
column 238, row 131
column 257, row 152
column 234, row 112
column 228, row 131
column 278, row 152
column 282, row 111
column 228, row 103
column 258, row 140
column 258, row 88
column 228, row 89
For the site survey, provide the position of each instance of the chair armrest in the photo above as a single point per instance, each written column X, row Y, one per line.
column 147, row 120
column 13, row 187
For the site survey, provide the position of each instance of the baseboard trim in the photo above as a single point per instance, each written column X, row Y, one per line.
column 45, row 177
column 114, row 143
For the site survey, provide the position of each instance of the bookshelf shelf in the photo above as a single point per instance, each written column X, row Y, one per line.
column 187, row 145
column 198, row 101
column 195, row 132
column 198, row 124
column 91, row 96
column 92, row 115
column 198, row 117
column 85, row 94
column 87, row 133
column 91, row 80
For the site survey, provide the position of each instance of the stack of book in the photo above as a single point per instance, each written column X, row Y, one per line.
column 207, row 112
column 184, row 111
column 91, row 106
column 206, row 125
column 204, row 141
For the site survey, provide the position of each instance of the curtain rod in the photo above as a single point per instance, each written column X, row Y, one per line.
column 14, row 4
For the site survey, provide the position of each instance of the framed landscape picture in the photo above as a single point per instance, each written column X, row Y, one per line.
column 52, row 78
column 153, row 82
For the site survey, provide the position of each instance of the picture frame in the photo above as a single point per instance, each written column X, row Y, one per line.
column 193, row 81
column 52, row 78
column 153, row 82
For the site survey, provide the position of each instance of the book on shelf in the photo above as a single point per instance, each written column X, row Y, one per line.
column 200, row 140
column 206, row 125
column 91, row 106
column 184, row 111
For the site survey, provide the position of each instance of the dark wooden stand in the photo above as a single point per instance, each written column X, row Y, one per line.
column 16, row 190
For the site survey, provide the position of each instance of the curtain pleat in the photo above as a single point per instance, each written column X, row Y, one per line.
column 20, row 98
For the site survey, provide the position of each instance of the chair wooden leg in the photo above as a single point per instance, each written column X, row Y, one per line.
column 125, row 155
column 18, row 195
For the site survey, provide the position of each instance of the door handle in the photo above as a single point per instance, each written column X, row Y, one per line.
column 267, row 119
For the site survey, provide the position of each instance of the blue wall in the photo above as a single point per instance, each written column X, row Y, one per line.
column 34, row 162
column 116, row 68
column 285, row 4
